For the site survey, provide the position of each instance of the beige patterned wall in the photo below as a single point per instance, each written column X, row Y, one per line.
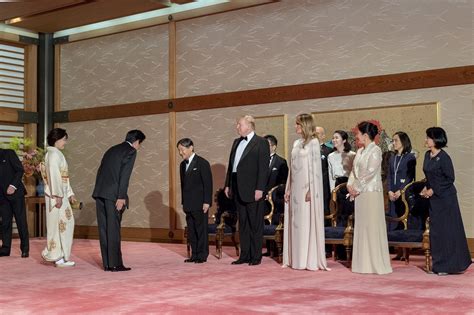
column 122, row 68
column 276, row 126
column 149, row 185
column 300, row 41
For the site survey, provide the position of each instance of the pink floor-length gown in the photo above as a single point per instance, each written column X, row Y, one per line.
column 303, row 244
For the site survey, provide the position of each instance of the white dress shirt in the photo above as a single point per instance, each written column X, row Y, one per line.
column 190, row 160
column 240, row 150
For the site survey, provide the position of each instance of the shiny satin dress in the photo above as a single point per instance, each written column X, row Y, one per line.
column 370, row 244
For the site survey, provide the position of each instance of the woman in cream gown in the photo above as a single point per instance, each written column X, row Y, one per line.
column 303, row 241
column 370, row 245
column 58, row 195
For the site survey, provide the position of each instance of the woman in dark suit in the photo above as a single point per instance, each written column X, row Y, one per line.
column 401, row 172
column 449, row 248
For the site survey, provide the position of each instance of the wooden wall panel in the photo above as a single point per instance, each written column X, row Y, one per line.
column 367, row 85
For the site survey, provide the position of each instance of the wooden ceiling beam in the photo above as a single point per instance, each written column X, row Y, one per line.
column 182, row 1
column 83, row 13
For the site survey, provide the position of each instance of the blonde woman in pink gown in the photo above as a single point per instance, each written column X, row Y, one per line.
column 303, row 243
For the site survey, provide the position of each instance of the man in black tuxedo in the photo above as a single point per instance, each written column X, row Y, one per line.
column 110, row 194
column 196, row 198
column 325, row 151
column 278, row 174
column 277, row 166
column 246, row 180
column 12, row 202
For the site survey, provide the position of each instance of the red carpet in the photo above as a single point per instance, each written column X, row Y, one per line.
column 160, row 282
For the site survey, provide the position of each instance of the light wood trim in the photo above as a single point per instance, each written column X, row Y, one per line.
column 173, row 205
column 366, row 85
column 134, row 234
column 470, row 243
column 9, row 37
column 8, row 115
column 285, row 126
column 172, row 127
column 57, row 78
column 31, row 87
column 172, row 59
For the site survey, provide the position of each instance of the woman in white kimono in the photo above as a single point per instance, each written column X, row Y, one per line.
column 370, row 245
column 303, row 242
column 59, row 196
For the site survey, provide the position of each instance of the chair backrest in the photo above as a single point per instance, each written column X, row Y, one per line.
column 416, row 207
column 225, row 204
column 340, row 207
column 276, row 199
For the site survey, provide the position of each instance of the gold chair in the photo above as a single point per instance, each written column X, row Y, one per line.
column 415, row 219
column 273, row 221
column 339, row 235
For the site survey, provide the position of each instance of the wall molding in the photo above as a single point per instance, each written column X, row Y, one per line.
column 134, row 234
column 356, row 86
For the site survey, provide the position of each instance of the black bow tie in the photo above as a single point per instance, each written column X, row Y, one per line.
column 243, row 138
column 186, row 161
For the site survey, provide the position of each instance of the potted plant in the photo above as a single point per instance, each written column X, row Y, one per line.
column 31, row 158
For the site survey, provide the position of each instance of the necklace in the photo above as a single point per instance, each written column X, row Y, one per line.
column 396, row 166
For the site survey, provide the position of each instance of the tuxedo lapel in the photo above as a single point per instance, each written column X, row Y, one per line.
column 191, row 165
column 273, row 162
column 249, row 146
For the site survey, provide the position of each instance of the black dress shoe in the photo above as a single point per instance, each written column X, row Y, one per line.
column 189, row 260
column 267, row 254
column 255, row 262
column 239, row 262
column 199, row 261
column 25, row 255
column 4, row 254
column 119, row 268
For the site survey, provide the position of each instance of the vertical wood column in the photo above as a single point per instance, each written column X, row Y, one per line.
column 31, row 92
column 57, row 80
column 172, row 127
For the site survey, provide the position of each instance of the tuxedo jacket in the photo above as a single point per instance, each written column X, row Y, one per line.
column 11, row 173
column 252, row 170
column 114, row 172
column 278, row 172
column 196, row 184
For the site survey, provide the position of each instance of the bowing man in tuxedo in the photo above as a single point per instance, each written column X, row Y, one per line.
column 12, row 202
column 278, row 174
column 196, row 198
column 246, row 180
column 110, row 194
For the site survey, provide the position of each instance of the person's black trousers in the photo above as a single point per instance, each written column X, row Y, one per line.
column 8, row 210
column 250, row 226
column 197, row 234
column 109, row 221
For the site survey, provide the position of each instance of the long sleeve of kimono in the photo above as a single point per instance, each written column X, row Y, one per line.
column 53, row 168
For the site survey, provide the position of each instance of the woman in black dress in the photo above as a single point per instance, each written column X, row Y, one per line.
column 449, row 248
column 402, row 169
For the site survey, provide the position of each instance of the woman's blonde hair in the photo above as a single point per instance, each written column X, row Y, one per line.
column 308, row 126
